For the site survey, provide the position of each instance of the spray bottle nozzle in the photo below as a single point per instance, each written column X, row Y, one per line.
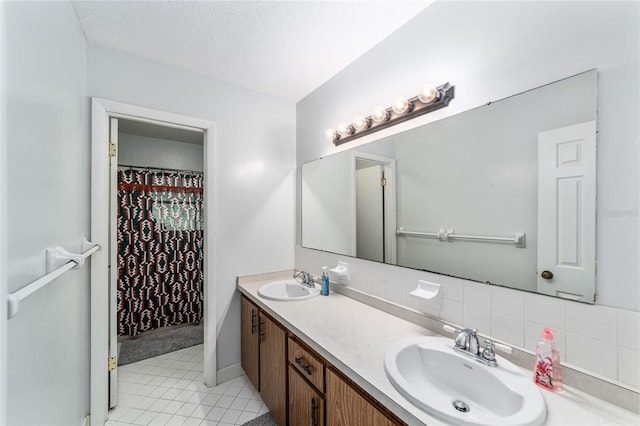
column 547, row 334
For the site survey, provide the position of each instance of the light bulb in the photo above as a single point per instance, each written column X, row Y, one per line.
column 380, row 115
column 401, row 105
column 428, row 94
column 361, row 123
column 345, row 129
column 331, row 134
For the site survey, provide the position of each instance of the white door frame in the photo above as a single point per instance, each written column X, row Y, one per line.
column 114, row 124
column 3, row 238
column 101, row 110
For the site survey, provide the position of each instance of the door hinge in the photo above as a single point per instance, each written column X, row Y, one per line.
column 112, row 150
column 112, row 363
column 383, row 181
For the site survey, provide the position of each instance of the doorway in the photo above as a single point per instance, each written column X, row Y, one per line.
column 106, row 116
column 375, row 207
column 157, row 261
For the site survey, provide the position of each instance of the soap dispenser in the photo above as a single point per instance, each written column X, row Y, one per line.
column 324, row 286
column 547, row 373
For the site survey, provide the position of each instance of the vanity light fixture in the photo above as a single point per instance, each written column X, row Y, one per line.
column 361, row 123
column 345, row 129
column 331, row 134
column 402, row 105
column 429, row 99
column 428, row 94
column 380, row 115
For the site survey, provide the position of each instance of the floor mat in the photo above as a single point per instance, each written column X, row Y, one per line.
column 154, row 344
column 263, row 420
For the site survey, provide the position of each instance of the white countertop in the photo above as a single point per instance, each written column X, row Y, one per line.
column 354, row 337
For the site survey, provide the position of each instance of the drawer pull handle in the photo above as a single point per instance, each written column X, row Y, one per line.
column 304, row 365
column 314, row 412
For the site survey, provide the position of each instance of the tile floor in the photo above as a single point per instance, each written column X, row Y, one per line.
column 168, row 390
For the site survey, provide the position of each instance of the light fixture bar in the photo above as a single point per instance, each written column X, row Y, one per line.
column 415, row 108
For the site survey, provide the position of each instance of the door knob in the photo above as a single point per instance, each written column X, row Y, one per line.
column 547, row 275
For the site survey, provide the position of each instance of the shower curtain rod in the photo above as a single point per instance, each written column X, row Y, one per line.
column 165, row 169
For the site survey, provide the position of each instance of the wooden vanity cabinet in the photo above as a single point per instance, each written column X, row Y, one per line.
column 347, row 406
column 264, row 357
column 306, row 386
column 273, row 368
column 298, row 385
column 249, row 345
column 319, row 395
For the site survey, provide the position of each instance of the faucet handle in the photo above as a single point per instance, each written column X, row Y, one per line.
column 503, row 348
column 450, row 329
column 488, row 352
column 490, row 344
column 489, row 355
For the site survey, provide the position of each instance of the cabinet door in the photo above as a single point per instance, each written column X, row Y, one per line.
column 345, row 406
column 249, row 340
column 306, row 406
column 273, row 369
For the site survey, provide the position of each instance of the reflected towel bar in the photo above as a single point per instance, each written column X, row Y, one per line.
column 58, row 261
column 401, row 232
column 519, row 240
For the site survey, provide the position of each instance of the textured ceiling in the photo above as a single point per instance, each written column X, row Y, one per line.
column 285, row 49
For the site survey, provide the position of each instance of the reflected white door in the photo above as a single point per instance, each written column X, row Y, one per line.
column 374, row 203
column 113, row 262
column 566, row 211
column 370, row 211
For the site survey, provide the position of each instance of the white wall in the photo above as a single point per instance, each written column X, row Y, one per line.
column 135, row 150
column 47, row 199
column 255, row 157
column 490, row 50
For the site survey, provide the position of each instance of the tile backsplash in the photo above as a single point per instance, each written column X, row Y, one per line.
column 601, row 340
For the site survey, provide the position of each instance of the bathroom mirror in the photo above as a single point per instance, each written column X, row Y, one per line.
column 503, row 193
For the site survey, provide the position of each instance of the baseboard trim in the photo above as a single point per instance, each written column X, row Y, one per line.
column 231, row 372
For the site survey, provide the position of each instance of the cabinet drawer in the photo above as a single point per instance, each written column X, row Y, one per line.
column 307, row 364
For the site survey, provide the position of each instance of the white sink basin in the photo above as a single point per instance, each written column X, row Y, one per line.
column 287, row 291
column 432, row 376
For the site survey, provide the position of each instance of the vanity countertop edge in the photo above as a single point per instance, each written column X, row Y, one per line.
column 333, row 326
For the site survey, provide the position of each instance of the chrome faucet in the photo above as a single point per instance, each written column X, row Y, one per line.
column 306, row 278
column 467, row 340
column 467, row 343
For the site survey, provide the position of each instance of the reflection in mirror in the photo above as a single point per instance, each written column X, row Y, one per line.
column 504, row 193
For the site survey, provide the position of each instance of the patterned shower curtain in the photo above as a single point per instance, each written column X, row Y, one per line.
column 160, row 250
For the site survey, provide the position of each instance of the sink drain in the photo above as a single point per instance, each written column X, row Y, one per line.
column 460, row 406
